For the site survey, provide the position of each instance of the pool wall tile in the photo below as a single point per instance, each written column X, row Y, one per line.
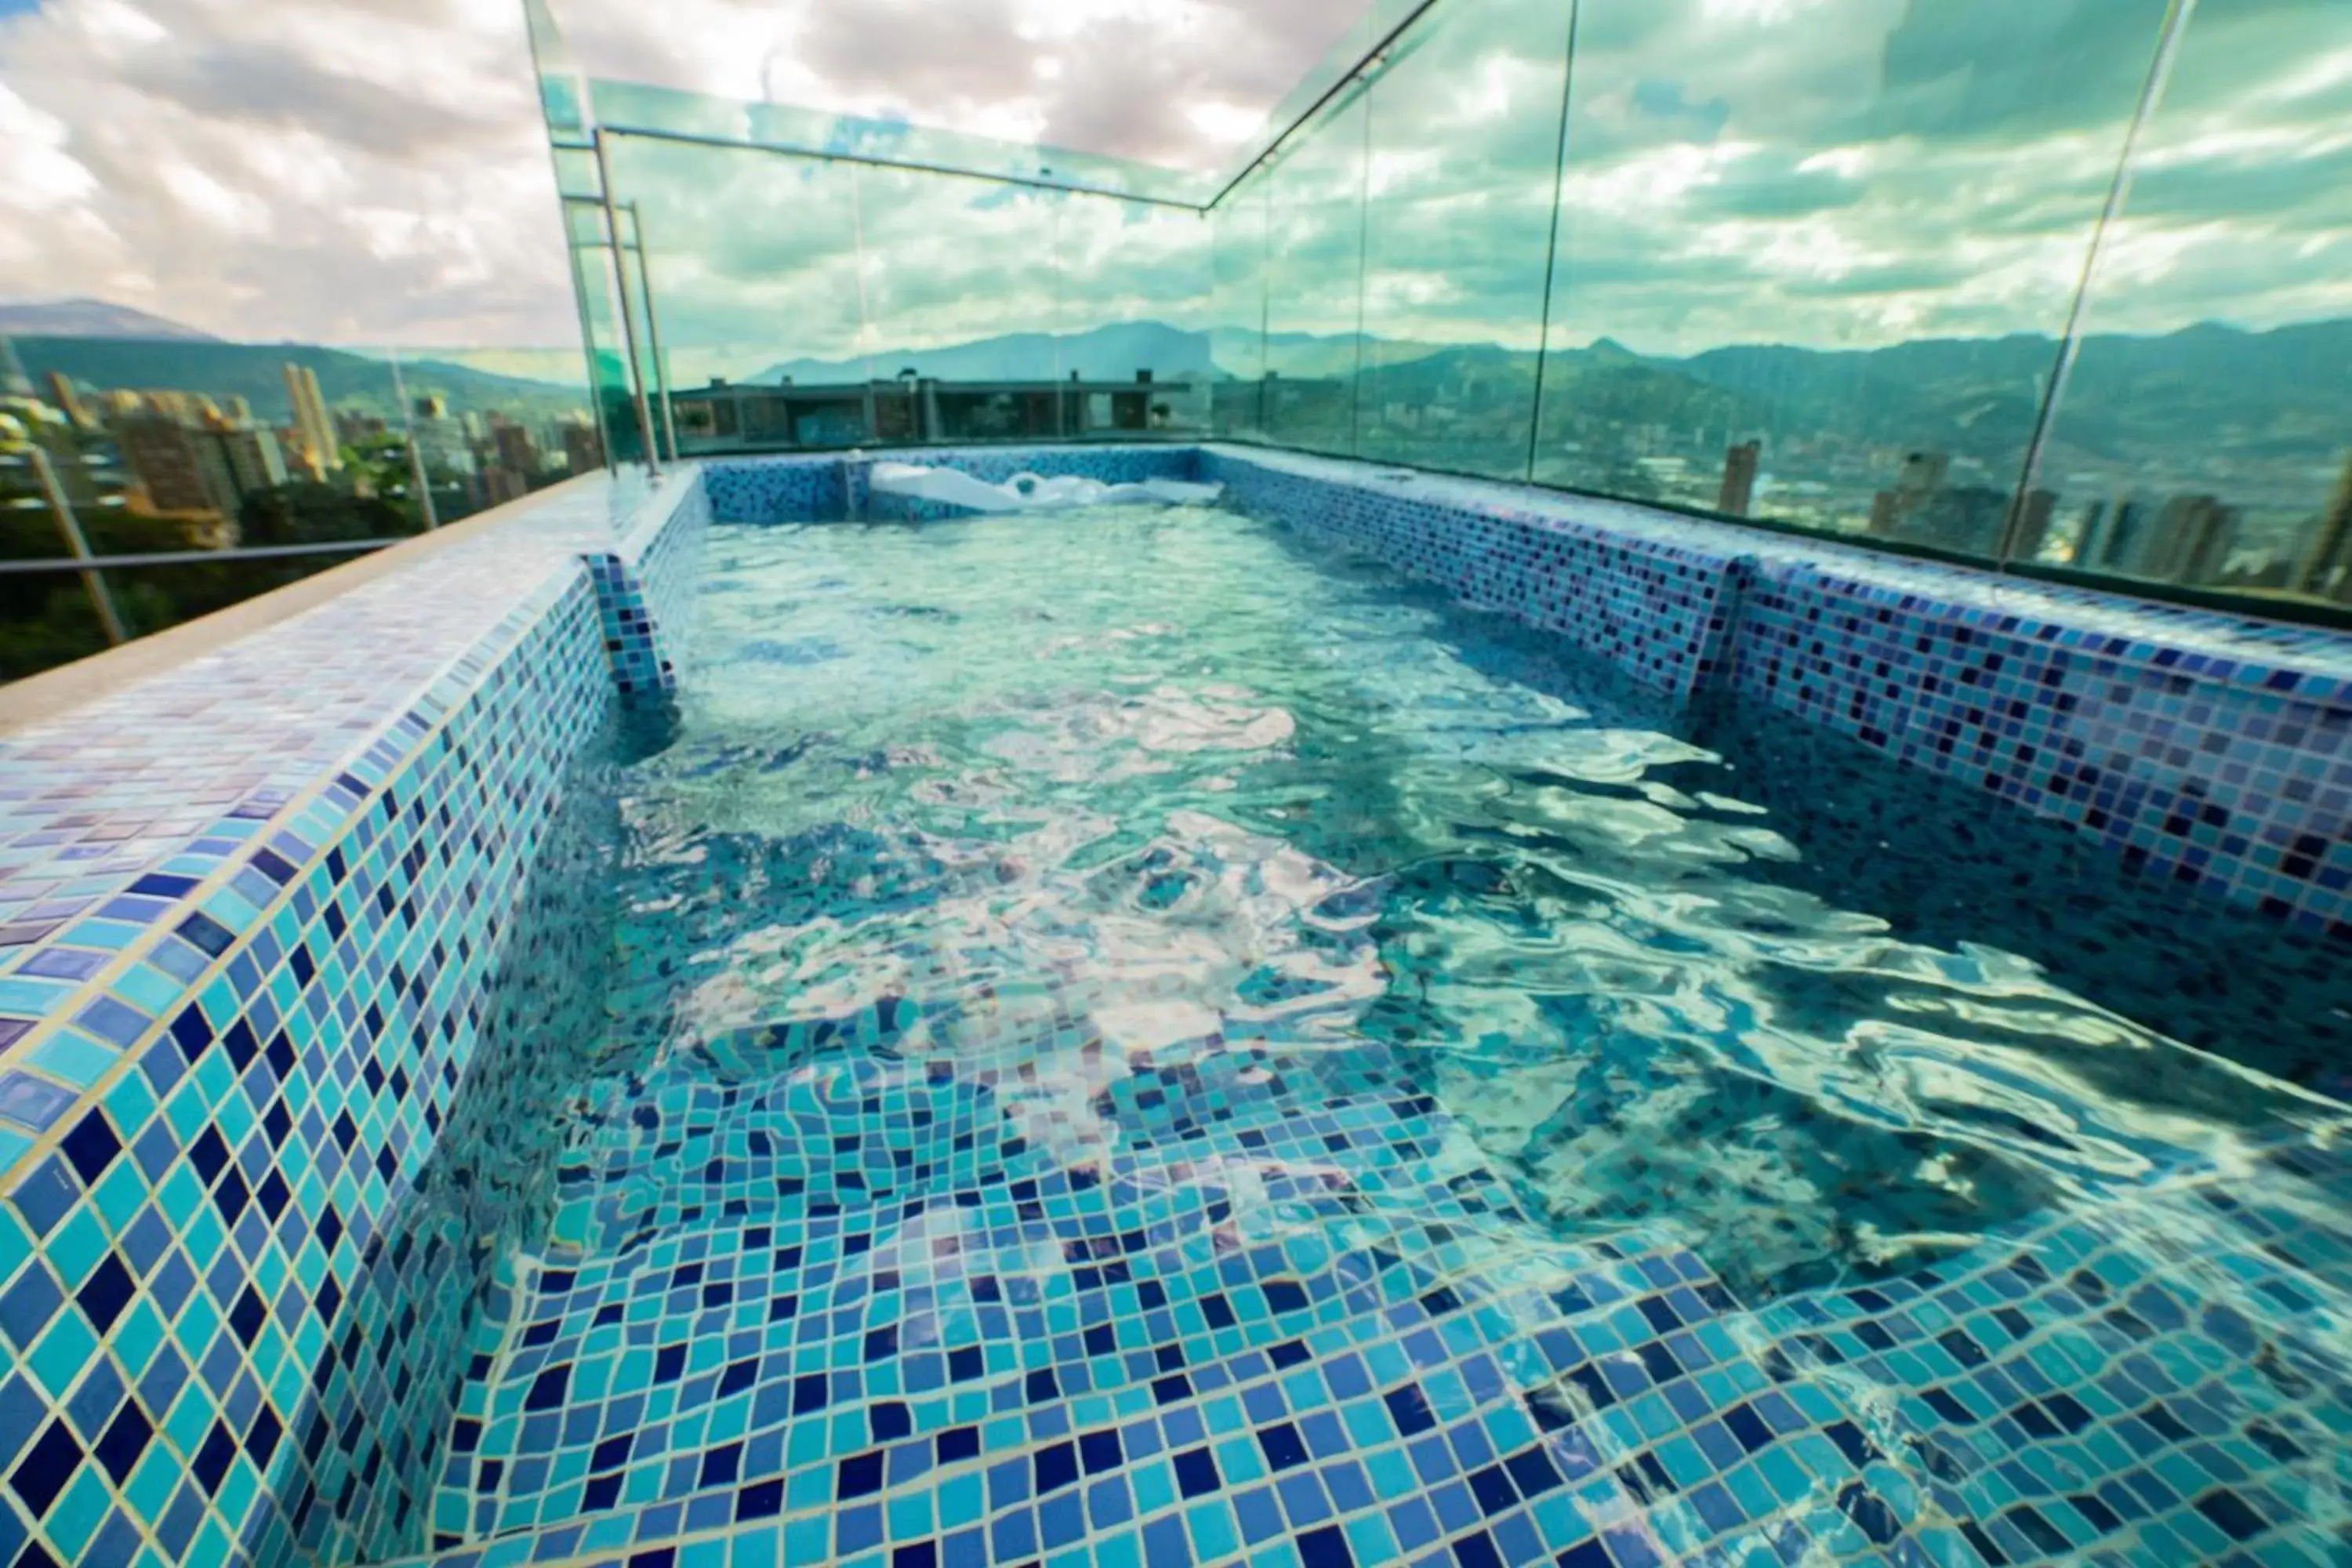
column 256, row 904
column 1657, row 607
column 2184, row 744
column 243, row 1026
column 2208, row 748
column 645, row 587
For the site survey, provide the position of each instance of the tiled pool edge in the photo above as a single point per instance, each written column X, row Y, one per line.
column 167, row 1277
column 2202, row 747
column 645, row 585
column 2212, row 749
column 104, row 1212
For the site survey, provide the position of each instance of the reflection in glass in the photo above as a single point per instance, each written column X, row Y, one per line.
column 1815, row 265
column 2204, row 435
column 1237, row 311
column 1314, row 272
column 1848, row 233
column 204, row 472
column 1455, row 248
column 821, row 303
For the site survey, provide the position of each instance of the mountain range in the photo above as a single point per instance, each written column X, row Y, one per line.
column 92, row 319
column 256, row 372
column 2259, row 412
column 2282, row 397
column 1113, row 353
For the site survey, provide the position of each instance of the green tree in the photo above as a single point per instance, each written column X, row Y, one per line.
column 306, row 513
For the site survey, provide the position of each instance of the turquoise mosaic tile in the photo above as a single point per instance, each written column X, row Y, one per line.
column 1658, row 605
column 261, row 918
column 251, row 1024
column 2211, row 748
column 645, row 585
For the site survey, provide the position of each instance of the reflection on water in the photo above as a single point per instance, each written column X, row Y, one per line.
column 1070, row 796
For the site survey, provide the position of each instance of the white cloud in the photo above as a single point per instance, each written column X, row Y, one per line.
column 361, row 171
column 1828, row 172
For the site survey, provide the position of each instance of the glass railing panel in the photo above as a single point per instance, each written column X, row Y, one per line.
column 2204, row 438
column 1457, row 235
column 492, row 425
column 1315, row 253
column 814, row 303
column 1238, row 228
column 757, row 294
column 624, row 107
column 595, row 293
column 168, row 445
column 196, row 472
column 1847, row 233
column 1338, row 61
column 964, row 288
column 152, row 454
column 1132, row 316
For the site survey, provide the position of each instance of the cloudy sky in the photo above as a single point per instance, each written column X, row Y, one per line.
column 1824, row 172
column 364, row 169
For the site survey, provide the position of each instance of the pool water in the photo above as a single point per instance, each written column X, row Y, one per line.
column 1067, row 971
column 1179, row 789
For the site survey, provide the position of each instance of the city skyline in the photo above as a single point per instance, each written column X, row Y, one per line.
column 197, row 458
column 2160, row 494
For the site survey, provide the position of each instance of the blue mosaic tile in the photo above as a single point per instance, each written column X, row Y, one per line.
column 645, row 585
column 2216, row 752
column 2209, row 749
column 254, row 916
column 804, row 490
column 1659, row 608
column 777, row 490
column 253, row 1023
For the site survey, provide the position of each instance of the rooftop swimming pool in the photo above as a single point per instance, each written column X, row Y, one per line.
column 1129, row 1037
column 1155, row 1038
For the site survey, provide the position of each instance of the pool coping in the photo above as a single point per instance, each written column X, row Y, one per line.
column 313, row 705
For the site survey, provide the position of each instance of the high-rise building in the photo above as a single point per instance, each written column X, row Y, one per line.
column 321, row 453
column 440, row 439
column 2116, row 538
column 515, row 448
column 2189, row 540
column 1899, row 510
column 174, row 471
column 356, row 427
column 582, row 453
column 63, row 392
column 186, row 468
column 1739, row 478
column 2327, row 567
column 253, row 458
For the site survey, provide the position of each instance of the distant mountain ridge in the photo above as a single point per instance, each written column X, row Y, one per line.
column 255, row 372
column 84, row 318
column 1106, row 353
column 1113, row 353
column 2279, row 394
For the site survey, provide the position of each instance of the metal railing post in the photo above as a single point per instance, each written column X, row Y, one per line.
column 628, row 315
column 653, row 332
column 426, row 512
column 93, row 581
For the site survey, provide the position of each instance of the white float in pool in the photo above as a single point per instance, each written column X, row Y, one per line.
column 1029, row 492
